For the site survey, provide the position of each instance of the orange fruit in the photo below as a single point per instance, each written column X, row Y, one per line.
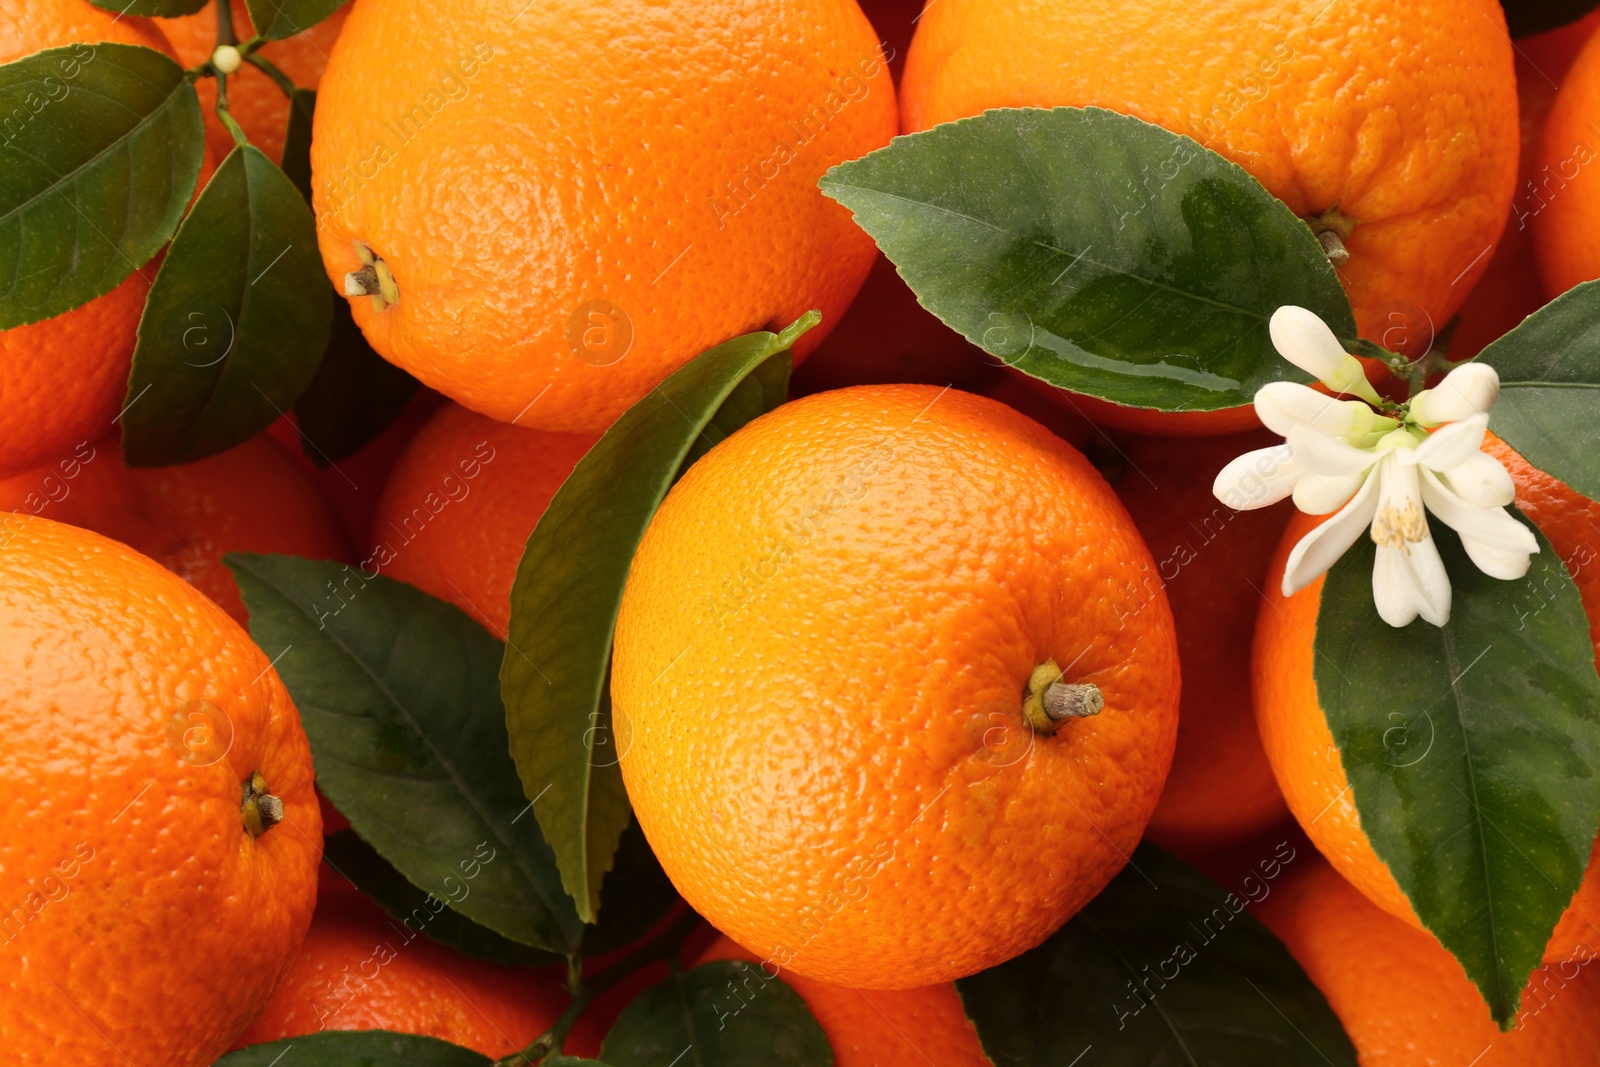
column 1301, row 749
column 1509, row 290
column 1405, row 1002
column 136, row 715
column 1565, row 193
column 460, row 504
column 883, row 1028
column 1403, row 118
column 62, row 380
column 819, row 674
column 572, row 201
column 359, row 970
column 254, row 99
column 1212, row 562
column 251, row 498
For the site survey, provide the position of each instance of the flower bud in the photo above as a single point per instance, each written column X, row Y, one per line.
column 1471, row 389
column 226, row 59
column 1306, row 341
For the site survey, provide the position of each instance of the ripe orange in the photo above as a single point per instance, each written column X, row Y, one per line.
column 251, row 498
column 62, row 380
column 1213, row 564
column 1405, row 1002
column 1510, row 290
column 885, row 1028
column 1403, row 118
column 559, row 206
column 460, row 504
column 1301, row 748
column 359, row 970
column 1566, row 189
column 145, row 912
column 820, row 667
column 254, row 100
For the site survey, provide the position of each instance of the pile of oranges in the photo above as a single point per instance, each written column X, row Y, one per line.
column 906, row 668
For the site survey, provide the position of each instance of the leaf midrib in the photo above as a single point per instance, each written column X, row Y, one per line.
column 1083, row 256
column 433, row 750
column 71, row 176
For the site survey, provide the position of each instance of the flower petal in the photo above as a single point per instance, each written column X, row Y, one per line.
column 1470, row 389
column 1504, row 563
column 1391, row 588
column 1257, row 479
column 1320, row 454
column 1282, row 406
column 1318, row 494
column 1430, row 583
column 1450, row 446
column 1492, row 527
column 1319, row 549
column 1306, row 341
column 1482, row 480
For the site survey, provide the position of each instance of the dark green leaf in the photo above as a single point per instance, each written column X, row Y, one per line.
column 729, row 1013
column 277, row 19
column 356, row 1048
column 421, row 911
column 100, row 148
column 1095, row 251
column 568, row 1061
column 165, row 9
column 569, row 586
column 354, row 397
column 637, row 895
column 297, row 140
column 1549, row 370
column 1536, row 16
column 397, row 694
column 1473, row 752
column 237, row 319
column 1162, row 968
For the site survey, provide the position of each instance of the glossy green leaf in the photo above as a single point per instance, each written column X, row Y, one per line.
column 636, row 896
column 1472, row 750
column 1549, row 368
column 297, row 140
column 1099, row 253
column 1162, row 968
column 1527, row 17
column 100, row 148
column 277, row 19
column 569, row 586
column 420, row 911
column 398, row 696
column 166, row 9
column 725, row 1014
column 356, row 1048
column 355, row 395
column 237, row 319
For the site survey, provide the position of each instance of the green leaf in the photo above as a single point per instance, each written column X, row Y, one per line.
column 100, row 149
column 1472, row 750
column 729, row 1013
column 165, row 9
column 1099, row 253
column 427, row 913
column 356, row 1048
column 297, row 140
column 397, row 694
column 1163, row 967
column 355, row 395
column 1527, row 17
column 237, row 319
column 569, row 1061
column 569, row 585
column 1550, row 388
column 277, row 19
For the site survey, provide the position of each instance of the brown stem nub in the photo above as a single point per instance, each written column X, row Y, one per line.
column 374, row 279
column 1050, row 701
column 1334, row 246
column 1333, row 228
column 258, row 809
